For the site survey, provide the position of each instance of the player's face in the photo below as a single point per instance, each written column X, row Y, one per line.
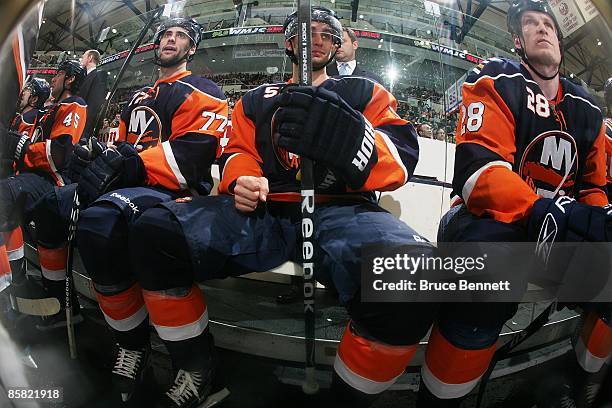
column 322, row 44
column 174, row 44
column 57, row 84
column 25, row 95
column 540, row 38
column 346, row 52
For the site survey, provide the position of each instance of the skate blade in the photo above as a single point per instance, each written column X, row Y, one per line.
column 216, row 398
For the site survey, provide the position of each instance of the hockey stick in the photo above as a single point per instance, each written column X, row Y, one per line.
column 310, row 385
column 74, row 212
column 74, row 216
column 514, row 342
column 111, row 93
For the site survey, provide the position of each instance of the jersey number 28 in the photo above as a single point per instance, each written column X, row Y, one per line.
column 472, row 117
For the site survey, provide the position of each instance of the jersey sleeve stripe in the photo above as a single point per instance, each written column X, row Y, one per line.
column 227, row 161
column 200, row 91
column 174, row 165
column 469, row 185
column 54, row 172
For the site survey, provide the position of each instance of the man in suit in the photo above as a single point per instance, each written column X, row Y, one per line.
column 345, row 63
column 93, row 89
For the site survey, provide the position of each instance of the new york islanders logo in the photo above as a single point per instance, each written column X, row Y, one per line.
column 144, row 127
column 549, row 164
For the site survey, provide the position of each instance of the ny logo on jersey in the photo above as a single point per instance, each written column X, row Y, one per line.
column 549, row 163
column 144, row 128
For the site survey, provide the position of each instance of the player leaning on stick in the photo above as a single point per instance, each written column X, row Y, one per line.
column 349, row 127
column 530, row 157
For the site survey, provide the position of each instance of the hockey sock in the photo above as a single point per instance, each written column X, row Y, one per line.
column 126, row 314
column 180, row 317
column 592, row 348
column 53, row 267
column 5, row 268
column 15, row 252
column 369, row 366
column 450, row 372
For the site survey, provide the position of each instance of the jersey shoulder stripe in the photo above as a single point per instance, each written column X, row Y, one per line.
column 203, row 85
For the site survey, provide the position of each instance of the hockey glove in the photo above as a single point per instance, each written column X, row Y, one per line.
column 566, row 220
column 14, row 146
column 318, row 124
column 82, row 156
column 113, row 168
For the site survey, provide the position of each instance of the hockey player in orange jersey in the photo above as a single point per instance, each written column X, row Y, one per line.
column 530, row 148
column 350, row 127
column 169, row 137
column 40, row 157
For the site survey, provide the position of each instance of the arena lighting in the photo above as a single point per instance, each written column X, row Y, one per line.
column 125, row 40
column 512, row 50
column 114, row 30
column 598, row 42
column 392, row 73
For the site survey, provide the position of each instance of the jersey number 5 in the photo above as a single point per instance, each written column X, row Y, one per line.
column 472, row 117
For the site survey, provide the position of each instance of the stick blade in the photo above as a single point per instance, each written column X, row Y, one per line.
column 36, row 307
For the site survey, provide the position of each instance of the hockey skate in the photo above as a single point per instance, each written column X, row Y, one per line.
column 129, row 371
column 193, row 389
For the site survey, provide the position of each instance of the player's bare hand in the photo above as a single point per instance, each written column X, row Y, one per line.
column 249, row 191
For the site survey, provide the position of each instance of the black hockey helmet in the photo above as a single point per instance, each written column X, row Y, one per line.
column 518, row 7
column 193, row 28
column 39, row 87
column 608, row 92
column 320, row 14
column 73, row 68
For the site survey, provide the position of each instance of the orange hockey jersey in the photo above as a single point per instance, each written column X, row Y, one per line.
column 54, row 137
column 177, row 123
column 251, row 151
column 514, row 145
column 26, row 123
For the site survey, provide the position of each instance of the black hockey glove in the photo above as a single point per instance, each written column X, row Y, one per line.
column 13, row 146
column 82, row 156
column 567, row 220
column 113, row 168
column 317, row 123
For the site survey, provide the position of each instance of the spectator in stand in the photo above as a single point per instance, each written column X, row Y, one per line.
column 424, row 130
column 440, row 134
column 115, row 122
